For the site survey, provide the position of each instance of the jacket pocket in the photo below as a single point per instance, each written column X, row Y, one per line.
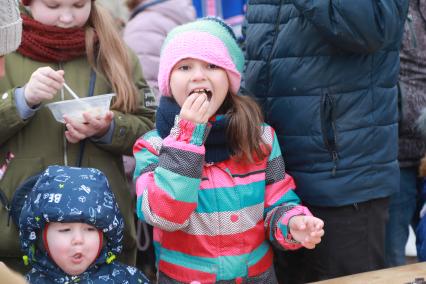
column 328, row 128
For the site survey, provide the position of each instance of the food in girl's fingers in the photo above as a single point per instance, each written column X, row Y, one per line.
column 208, row 93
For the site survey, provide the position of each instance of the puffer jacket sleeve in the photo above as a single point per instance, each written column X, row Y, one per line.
column 10, row 120
column 363, row 26
column 131, row 126
column 168, row 177
column 281, row 202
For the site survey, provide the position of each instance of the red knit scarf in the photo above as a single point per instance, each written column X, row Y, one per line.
column 49, row 43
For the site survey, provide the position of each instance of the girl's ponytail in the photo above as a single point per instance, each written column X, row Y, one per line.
column 245, row 129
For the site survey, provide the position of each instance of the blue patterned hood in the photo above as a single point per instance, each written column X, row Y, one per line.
column 70, row 194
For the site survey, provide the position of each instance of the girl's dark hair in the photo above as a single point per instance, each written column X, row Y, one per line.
column 244, row 131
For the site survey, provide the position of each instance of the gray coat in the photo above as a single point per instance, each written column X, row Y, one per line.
column 413, row 85
column 147, row 29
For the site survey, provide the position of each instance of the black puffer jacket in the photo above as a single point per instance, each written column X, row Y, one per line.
column 325, row 73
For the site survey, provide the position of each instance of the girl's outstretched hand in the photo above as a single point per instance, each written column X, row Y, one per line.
column 307, row 230
column 93, row 126
column 43, row 85
column 195, row 108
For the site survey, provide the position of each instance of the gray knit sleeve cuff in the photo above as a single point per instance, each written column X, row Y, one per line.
column 10, row 35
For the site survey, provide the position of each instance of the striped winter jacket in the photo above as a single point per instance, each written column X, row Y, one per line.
column 212, row 222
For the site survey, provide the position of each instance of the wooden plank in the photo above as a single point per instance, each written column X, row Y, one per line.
column 396, row 275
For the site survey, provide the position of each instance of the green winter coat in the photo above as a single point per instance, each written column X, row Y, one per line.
column 40, row 141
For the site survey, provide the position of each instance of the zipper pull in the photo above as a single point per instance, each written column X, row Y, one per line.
column 335, row 156
column 335, row 159
column 333, row 171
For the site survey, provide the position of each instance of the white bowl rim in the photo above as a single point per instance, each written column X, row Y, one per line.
column 84, row 99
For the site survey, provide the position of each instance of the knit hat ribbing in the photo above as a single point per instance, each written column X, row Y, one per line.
column 10, row 27
column 207, row 39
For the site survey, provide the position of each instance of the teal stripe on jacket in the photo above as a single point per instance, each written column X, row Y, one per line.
column 198, row 134
column 276, row 150
column 139, row 211
column 290, row 197
column 143, row 158
column 168, row 181
column 232, row 266
column 250, row 195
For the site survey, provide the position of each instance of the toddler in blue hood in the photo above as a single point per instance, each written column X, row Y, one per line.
column 71, row 229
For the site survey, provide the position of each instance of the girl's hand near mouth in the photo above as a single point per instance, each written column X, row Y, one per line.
column 195, row 108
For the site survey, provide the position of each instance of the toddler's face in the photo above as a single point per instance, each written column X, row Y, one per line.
column 61, row 13
column 196, row 76
column 73, row 246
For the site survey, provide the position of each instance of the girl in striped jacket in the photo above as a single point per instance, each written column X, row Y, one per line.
column 211, row 177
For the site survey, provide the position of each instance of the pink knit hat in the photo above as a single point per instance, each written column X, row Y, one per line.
column 28, row 2
column 207, row 39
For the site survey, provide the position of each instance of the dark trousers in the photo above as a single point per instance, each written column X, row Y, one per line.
column 403, row 211
column 353, row 243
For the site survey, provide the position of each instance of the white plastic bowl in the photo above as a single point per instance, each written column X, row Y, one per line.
column 74, row 108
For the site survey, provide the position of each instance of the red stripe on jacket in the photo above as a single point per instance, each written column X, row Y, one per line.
column 185, row 274
column 165, row 207
column 207, row 246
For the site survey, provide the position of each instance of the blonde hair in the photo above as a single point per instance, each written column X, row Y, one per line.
column 110, row 57
column 244, row 131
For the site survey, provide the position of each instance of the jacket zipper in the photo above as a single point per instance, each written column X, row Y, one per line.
column 208, row 171
column 65, row 145
column 328, row 126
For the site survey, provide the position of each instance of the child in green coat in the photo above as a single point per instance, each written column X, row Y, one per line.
column 73, row 41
